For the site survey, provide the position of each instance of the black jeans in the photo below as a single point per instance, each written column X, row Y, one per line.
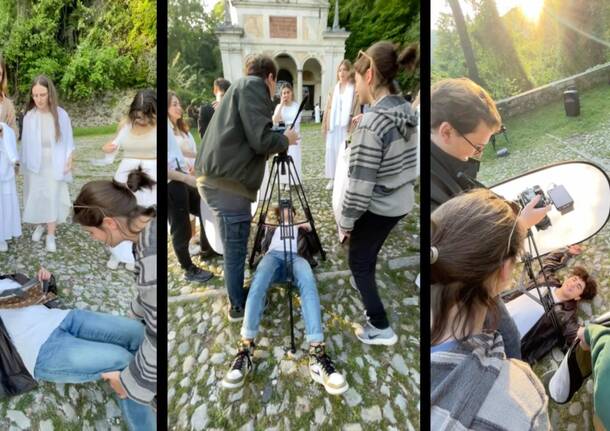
column 369, row 233
column 183, row 200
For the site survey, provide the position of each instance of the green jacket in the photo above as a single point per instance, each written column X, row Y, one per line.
column 239, row 140
column 598, row 337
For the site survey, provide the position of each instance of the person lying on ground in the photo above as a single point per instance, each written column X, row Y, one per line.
column 41, row 342
column 538, row 333
column 273, row 269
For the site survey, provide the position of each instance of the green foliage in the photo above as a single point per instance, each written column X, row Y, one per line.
column 85, row 46
column 521, row 51
column 393, row 20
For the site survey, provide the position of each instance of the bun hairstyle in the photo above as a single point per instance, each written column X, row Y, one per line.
column 388, row 59
column 104, row 198
column 145, row 103
column 472, row 235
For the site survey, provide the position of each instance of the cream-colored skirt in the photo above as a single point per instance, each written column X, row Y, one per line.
column 46, row 200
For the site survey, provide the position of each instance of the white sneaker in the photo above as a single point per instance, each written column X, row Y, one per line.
column 329, row 186
column 113, row 262
column 37, row 235
column 51, row 243
column 322, row 370
column 3, row 246
column 130, row 266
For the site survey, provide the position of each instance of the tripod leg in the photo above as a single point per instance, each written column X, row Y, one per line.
column 292, row 346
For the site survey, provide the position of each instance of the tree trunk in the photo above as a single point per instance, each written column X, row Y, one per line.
column 460, row 25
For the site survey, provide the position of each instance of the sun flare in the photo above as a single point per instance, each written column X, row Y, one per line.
column 532, row 8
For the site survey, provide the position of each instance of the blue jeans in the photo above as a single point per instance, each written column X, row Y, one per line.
column 272, row 269
column 87, row 344
column 234, row 218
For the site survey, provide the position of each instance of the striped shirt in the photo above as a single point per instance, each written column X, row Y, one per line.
column 383, row 162
column 140, row 378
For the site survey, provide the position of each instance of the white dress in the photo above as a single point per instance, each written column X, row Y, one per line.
column 338, row 125
column 10, row 220
column 144, row 147
column 46, row 199
column 288, row 115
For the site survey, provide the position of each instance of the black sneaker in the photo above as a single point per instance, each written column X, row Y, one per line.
column 236, row 314
column 241, row 366
column 197, row 275
column 322, row 370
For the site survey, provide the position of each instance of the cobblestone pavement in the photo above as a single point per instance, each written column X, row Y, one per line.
column 84, row 282
column 595, row 147
column 280, row 395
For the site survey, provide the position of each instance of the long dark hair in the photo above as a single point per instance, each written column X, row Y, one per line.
column 110, row 198
column 53, row 100
column 4, row 80
column 180, row 123
column 472, row 235
column 146, row 103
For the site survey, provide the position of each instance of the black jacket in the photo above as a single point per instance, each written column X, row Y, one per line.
column 239, row 140
column 307, row 245
column 444, row 181
column 14, row 376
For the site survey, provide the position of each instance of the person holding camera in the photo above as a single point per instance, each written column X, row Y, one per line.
column 475, row 241
column 463, row 119
column 273, row 269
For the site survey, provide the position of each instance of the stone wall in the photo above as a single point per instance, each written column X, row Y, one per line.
column 101, row 111
column 532, row 99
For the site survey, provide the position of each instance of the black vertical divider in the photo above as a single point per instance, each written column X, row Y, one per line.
column 162, row 313
column 424, row 302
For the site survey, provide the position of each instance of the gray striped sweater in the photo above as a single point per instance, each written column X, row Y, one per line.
column 474, row 387
column 140, row 378
column 383, row 162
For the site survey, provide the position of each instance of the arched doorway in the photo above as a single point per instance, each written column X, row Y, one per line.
column 312, row 83
column 287, row 72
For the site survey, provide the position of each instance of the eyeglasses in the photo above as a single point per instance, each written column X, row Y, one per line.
column 372, row 63
column 477, row 148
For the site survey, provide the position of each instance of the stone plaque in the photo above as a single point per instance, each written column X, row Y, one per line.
column 283, row 27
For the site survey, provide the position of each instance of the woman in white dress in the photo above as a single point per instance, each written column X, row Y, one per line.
column 341, row 106
column 10, row 220
column 47, row 147
column 285, row 113
column 138, row 141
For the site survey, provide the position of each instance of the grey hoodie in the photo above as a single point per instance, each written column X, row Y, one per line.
column 383, row 162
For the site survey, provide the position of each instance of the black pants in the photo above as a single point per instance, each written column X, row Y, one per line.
column 369, row 233
column 183, row 200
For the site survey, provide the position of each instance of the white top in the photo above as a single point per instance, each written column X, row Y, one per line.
column 8, row 153
column 174, row 155
column 341, row 108
column 277, row 243
column 526, row 312
column 32, row 143
column 29, row 327
column 187, row 143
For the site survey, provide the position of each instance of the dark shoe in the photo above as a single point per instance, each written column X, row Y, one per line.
column 240, row 368
column 197, row 275
column 572, row 372
column 208, row 254
column 322, row 370
column 236, row 314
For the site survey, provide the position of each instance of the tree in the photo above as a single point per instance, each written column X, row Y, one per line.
column 460, row 25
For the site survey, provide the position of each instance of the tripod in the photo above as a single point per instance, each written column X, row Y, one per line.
column 283, row 163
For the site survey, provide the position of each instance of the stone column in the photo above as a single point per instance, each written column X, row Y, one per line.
column 299, row 89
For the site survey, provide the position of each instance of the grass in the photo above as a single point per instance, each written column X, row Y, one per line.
column 526, row 130
column 80, row 132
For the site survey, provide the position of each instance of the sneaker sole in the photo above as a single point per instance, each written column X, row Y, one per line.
column 235, row 319
column 333, row 391
column 229, row 385
column 379, row 341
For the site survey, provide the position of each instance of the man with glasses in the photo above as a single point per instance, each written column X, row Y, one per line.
column 463, row 119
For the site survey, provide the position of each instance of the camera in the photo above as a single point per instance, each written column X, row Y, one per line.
column 527, row 195
column 557, row 195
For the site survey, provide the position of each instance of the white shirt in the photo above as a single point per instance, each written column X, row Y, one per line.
column 29, row 327
column 526, row 312
column 278, row 244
